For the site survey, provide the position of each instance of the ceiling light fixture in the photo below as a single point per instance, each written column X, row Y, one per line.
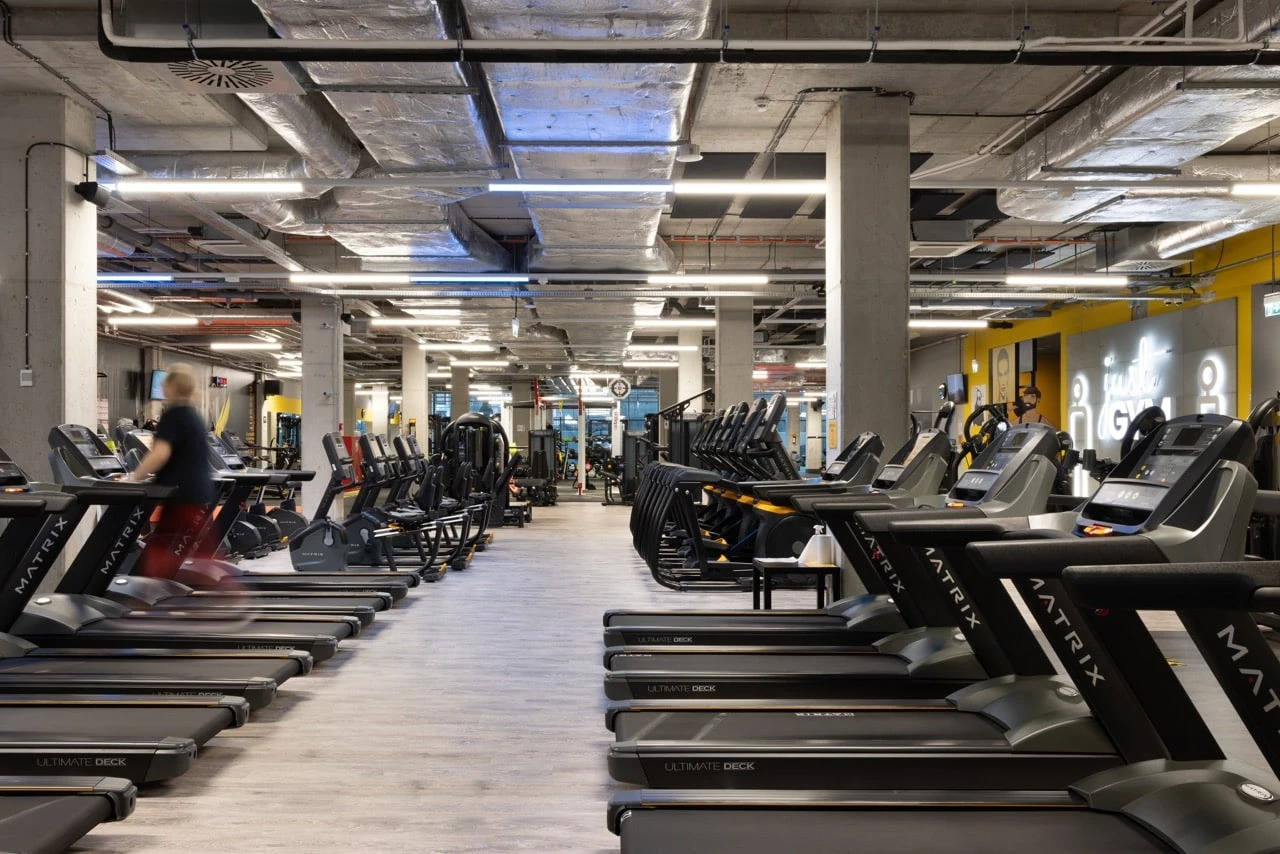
column 431, row 347
column 1256, row 189
column 1033, row 280
column 675, row 323
column 105, row 278
column 689, row 152
column 712, row 279
column 228, row 346
column 127, row 187
column 750, row 188
column 635, row 347
column 480, row 363
column 812, row 364
column 945, row 323
column 650, row 363
column 153, row 321
column 433, row 312
column 414, row 321
column 580, row 187
column 759, row 375
column 142, row 305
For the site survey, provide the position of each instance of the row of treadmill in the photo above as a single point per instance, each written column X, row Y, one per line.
column 926, row 714
column 110, row 681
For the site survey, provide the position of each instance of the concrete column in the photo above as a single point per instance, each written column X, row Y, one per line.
column 350, row 408
column 868, row 227
column 689, row 380
column 59, row 347
column 668, row 389
column 414, row 400
column 793, row 428
column 522, row 417
column 379, row 403
column 460, row 394
column 735, row 353
column 813, row 436
column 322, row 387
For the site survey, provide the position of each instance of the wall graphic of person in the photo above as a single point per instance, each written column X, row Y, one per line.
column 1030, row 414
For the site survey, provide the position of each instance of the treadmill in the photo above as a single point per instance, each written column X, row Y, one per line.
column 78, row 454
column 156, row 593
column 48, row 815
column 1186, row 493
column 911, row 477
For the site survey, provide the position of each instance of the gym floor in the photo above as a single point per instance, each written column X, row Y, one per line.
column 467, row 720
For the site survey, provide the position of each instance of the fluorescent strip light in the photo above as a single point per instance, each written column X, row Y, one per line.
column 759, row 375
column 1067, row 280
column 153, row 321
column 674, row 323
column 663, row 348
column 712, row 279
column 288, row 375
column 105, row 278
column 750, row 188
column 480, row 363
column 205, row 187
column 414, row 321
column 455, row 348
column 433, row 312
column 244, row 345
column 812, row 364
column 591, row 375
column 478, row 278
column 349, row 279
column 945, row 323
column 366, row 392
column 580, row 187
column 940, row 307
column 1256, row 189
column 650, row 363
column 1043, row 296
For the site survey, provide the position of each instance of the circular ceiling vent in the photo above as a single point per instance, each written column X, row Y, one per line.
column 233, row 74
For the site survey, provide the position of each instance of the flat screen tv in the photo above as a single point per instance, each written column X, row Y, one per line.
column 157, row 384
column 957, row 389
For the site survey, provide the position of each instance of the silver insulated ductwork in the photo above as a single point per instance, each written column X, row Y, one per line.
column 552, row 113
column 411, row 118
column 1148, row 121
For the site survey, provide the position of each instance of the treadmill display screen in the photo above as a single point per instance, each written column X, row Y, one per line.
column 1164, row 467
column 1131, row 496
column 888, row 477
column 146, row 440
column 1015, row 439
column 83, row 441
column 974, row 482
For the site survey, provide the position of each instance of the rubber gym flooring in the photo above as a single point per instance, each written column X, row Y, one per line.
column 467, row 720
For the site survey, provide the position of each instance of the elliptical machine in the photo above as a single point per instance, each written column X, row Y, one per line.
column 322, row 545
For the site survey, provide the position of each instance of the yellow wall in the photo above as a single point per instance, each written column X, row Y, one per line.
column 275, row 405
column 1236, row 266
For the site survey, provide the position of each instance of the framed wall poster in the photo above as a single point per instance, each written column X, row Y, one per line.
column 1003, row 373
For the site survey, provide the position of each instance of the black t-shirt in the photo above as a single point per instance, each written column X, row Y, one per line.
column 188, row 467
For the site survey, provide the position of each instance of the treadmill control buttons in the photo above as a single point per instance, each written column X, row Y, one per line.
column 122, row 581
column 1257, row 793
column 1067, row 691
column 43, row 600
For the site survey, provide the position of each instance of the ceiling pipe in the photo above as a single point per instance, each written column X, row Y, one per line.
column 138, row 240
column 1048, row 51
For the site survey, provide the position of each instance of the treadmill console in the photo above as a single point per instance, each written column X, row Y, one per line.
column 1157, row 476
column 999, row 462
column 12, row 478
column 864, row 445
column 82, row 445
column 926, row 442
column 222, row 459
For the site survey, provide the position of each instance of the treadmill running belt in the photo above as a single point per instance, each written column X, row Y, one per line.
column 192, row 669
column 795, row 729
column 43, row 824
column 902, row 831
column 855, row 664
column 748, row 618
column 159, row 626
column 81, row 723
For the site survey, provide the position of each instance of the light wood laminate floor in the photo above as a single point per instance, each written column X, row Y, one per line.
column 467, row 720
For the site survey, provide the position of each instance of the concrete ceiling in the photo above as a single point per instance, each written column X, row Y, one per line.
column 958, row 112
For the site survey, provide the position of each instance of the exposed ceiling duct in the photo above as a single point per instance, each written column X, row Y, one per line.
column 1149, row 122
column 621, row 107
column 439, row 129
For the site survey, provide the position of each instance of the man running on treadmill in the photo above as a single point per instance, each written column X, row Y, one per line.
column 178, row 458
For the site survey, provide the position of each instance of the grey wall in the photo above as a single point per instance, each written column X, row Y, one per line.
column 929, row 368
column 1266, row 348
column 127, row 386
column 1184, row 361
